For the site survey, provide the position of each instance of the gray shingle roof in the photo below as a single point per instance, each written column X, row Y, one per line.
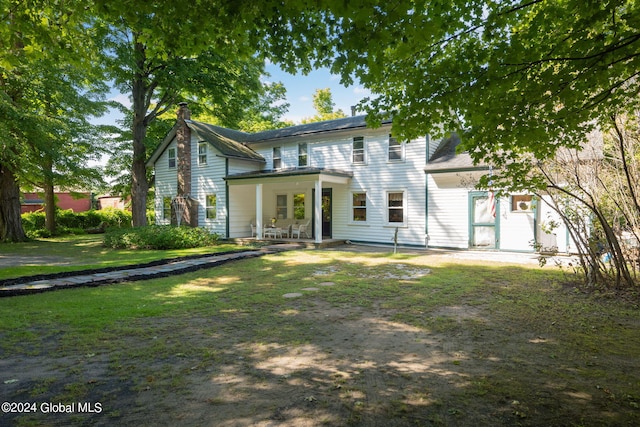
column 445, row 158
column 227, row 141
column 346, row 123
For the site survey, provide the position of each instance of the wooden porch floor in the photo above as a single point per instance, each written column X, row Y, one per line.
column 305, row 243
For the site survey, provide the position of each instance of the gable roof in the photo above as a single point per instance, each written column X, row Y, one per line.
column 334, row 125
column 446, row 159
column 227, row 141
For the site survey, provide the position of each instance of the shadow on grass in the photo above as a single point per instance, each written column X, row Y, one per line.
column 456, row 344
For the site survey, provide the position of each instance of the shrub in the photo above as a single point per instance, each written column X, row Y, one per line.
column 69, row 222
column 159, row 237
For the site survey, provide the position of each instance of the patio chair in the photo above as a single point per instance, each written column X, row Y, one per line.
column 253, row 230
column 299, row 230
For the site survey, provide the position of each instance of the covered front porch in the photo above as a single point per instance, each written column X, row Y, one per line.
column 281, row 205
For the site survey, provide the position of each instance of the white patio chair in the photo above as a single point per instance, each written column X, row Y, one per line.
column 299, row 230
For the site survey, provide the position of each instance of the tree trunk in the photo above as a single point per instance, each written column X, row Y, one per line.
column 49, row 196
column 10, row 222
column 49, row 208
column 139, row 184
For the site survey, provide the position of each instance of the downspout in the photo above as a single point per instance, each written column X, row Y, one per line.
column 426, row 195
column 226, row 197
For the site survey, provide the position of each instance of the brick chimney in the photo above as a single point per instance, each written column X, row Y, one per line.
column 183, row 139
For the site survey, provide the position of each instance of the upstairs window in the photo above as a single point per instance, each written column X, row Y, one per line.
column 395, row 150
column 358, row 149
column 202, row 153
column 302, row 155
column 277, row 158
column 171, row 154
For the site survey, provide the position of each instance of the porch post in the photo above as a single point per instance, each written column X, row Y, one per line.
column 259, row 226
column 318, row 211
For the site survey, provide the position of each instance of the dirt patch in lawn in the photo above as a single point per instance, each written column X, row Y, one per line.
column 318, row 360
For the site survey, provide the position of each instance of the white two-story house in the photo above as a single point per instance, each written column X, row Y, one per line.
column 340, row 179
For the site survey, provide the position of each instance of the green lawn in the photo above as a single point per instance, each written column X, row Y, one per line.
column 375, row 339
column 46, row 256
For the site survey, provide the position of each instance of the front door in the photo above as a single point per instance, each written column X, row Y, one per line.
column 483, row 221
column 326, row 212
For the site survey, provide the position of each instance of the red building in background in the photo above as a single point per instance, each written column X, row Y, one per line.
column 33, row 202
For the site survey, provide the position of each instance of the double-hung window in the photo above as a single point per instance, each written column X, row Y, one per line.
column 281, row 206
column 166, row 208
column 212, row 206
column 396, row 207
column 277, row 158
column 202, row 153
column 171, row 154
column 359, row 207
column 358, row 150
column 396, row 150
column 302, row 155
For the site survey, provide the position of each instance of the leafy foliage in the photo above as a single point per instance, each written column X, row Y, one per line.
column 324, row 105
column 515, row 78
column 160, row 237
column 69, row 222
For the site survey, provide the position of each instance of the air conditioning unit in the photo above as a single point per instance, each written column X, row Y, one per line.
column 524, row 206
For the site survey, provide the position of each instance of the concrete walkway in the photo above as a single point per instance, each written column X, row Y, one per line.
column 43, row 283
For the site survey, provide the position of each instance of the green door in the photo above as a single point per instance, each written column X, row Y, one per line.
column 483, row 221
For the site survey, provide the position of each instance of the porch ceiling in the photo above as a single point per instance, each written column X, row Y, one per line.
column 279, row 175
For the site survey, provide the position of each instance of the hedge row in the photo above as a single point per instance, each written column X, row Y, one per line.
column 69, row 222
column 159, row 237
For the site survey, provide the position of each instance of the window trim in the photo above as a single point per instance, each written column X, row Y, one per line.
column 400, row 147
column 303, row 205
column 166, row 207
column 277, row 161
column 202, row 155
column 280, row 207
column 172, row 160
column 355, row 151
column 404, row 207
column 304, row 155
column 211, row 208
column 352, row 219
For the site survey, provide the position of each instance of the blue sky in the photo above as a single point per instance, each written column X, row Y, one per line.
column 300, row 90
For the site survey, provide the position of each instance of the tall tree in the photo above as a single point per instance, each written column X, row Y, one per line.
column 324, row 105
column 44, row 47
column 511, row 77
column 160, row 53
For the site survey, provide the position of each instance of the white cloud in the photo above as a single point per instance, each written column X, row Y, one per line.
column 359, row 90
column 122, row 99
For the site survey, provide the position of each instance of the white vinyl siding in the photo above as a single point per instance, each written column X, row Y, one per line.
column 166, row 178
